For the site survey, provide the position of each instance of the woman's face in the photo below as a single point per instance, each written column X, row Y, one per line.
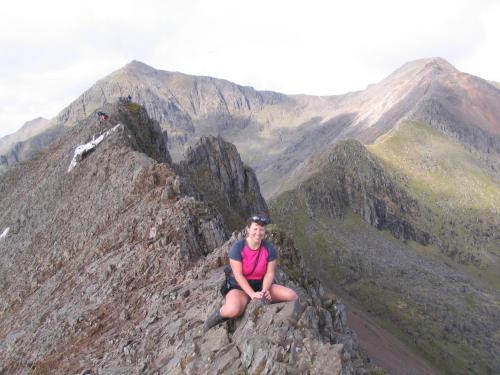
column 256, row 232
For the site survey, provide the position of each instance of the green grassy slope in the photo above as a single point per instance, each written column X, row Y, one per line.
column 454, row 184
column 443, row 299
column 428, row 304
column 441, row 171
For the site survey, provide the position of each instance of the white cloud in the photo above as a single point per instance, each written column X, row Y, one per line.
column 53, row 51
column 485, row 61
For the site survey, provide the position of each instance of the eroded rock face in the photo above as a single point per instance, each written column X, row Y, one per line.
column 216, row 169
column 113, row 267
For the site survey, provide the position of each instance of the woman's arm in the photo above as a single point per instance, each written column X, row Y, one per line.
column 237, row 268
column 268, row 279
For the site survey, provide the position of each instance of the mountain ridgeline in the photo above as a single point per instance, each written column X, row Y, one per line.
column 391, row 194
column 275, row 132
column 112, row 260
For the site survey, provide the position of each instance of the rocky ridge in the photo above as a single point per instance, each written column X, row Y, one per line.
column 113, row 266
column 310, row 336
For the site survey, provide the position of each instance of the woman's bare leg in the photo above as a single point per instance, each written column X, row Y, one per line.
column 236, row 301
column 280, row 293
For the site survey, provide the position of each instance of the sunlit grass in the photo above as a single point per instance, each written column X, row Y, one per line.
column 440, row 171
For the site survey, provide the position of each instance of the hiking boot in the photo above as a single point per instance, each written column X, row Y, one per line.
column 214, row 319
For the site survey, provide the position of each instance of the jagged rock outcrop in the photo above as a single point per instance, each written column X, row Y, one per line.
column 112, row 267
column 216, row 169
column 348, row 177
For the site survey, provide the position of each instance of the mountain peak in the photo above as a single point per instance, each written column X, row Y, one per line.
column 431, row 67
column 138, row 67
column 435, row 61
column 34, row 123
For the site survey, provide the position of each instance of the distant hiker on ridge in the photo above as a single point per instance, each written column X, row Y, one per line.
column 103, row 118
column 250, row 275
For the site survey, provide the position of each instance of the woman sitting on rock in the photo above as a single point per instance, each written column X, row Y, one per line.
column 253, row 263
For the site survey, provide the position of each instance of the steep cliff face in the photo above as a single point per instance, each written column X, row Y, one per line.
column 112, row 265
column 216, row 169
column 348, row 177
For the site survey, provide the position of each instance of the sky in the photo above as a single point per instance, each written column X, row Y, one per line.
column 52, row 51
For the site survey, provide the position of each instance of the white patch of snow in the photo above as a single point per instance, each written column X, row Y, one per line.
column 5, row 232
column 82, row 149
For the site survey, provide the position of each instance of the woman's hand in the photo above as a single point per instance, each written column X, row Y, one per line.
column 266, row 295
column 257, row 295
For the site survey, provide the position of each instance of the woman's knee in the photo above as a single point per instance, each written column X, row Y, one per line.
column 234, row 305
column 292, row 295
column 231, row 310
column 283, row 294
column 289, row 294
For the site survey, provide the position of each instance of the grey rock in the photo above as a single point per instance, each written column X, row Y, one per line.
column 104, row 274
column 216, row 169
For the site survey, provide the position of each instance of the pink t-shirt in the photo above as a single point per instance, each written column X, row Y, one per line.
column 241, row 252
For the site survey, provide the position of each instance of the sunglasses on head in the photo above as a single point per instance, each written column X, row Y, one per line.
column 260, row 219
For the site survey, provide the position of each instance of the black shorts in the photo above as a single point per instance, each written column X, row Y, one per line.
column 232, row 284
